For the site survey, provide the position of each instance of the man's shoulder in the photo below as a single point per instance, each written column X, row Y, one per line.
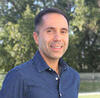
column 69, row 69
column 23, row 66
column 73, row 71
column 23, row 69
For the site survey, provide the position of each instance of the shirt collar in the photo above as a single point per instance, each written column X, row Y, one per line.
column 62, row 65
column 39, row 62
column 42, row 65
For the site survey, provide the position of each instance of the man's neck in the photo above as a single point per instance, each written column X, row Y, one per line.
column 52, row 63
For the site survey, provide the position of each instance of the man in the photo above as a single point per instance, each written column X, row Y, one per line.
column 46, row 75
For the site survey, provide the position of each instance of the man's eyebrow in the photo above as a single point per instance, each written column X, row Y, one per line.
column 53, row 28
column 65, row 29
column 50, row 28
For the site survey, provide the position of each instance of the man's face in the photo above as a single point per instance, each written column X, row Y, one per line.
column 53, row 37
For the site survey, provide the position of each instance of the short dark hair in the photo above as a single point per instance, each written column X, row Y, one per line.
column 38, row 18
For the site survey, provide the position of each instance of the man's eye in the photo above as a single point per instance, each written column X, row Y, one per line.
column 49, row 30
column 63, row 31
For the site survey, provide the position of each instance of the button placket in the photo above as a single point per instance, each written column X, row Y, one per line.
column 60, row 88
column 57, row 77
column 50, row 69
column 60, row 94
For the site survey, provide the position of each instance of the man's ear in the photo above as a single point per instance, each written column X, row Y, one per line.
column 36, row 37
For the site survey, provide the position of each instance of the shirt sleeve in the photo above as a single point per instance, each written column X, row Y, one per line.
column 13, row 86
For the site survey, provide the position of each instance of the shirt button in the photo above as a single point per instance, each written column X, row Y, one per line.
column 57, row 78
column 60, row 94
column 50, row 69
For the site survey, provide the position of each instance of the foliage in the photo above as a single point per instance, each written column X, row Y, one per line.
column 85, row 24
column 17, row 40
column 17, row 24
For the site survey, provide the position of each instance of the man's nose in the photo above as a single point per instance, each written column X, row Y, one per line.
column 57, row 36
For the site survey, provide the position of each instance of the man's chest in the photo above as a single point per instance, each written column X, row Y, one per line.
column 51, row 86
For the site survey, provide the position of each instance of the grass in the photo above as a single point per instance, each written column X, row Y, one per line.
column 90, row 86
column 89, row 96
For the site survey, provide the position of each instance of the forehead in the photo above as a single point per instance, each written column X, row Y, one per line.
column 55, row 19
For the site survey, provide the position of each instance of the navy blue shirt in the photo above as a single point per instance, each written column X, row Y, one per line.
column 35, row 79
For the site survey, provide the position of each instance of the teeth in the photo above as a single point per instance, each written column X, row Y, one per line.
column 56, row 47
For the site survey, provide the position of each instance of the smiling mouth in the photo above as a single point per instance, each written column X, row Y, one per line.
column 56, row 47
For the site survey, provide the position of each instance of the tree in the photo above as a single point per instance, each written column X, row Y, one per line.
column 17, row 25
column 16, row 29
column 85, row 25
column 17, row 41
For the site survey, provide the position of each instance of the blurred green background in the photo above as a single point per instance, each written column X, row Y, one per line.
column 17, row 44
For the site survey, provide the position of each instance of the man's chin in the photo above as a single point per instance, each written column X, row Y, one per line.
column 56, row 57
